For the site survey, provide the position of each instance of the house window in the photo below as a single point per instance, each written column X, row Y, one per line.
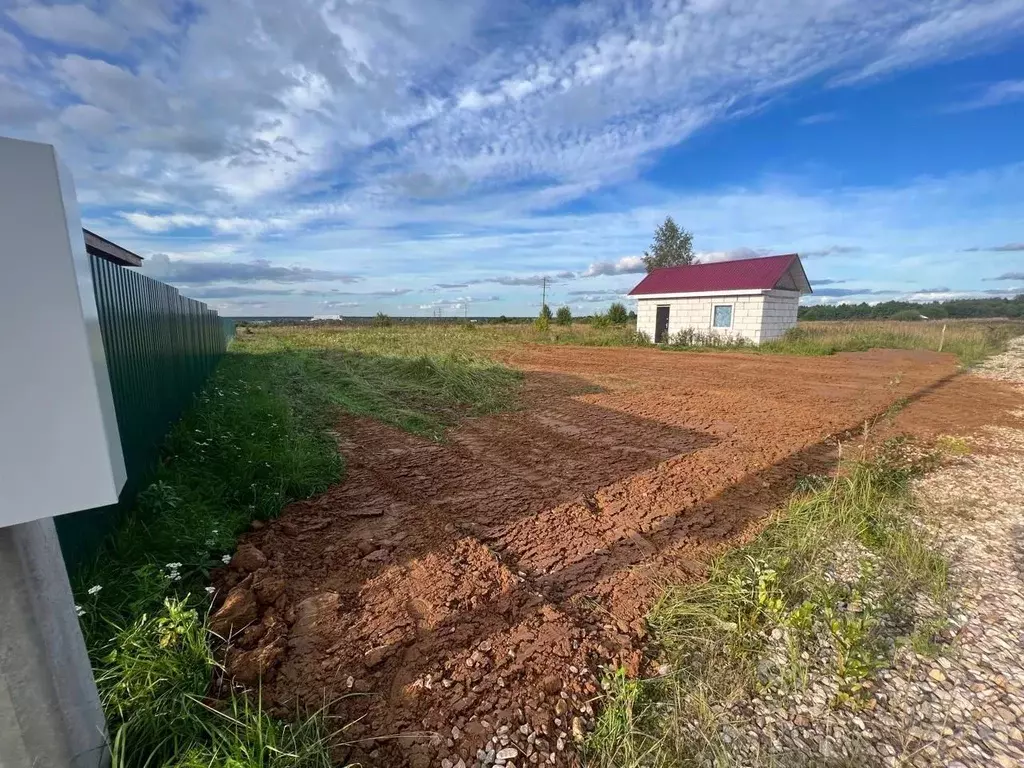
column 722, row 316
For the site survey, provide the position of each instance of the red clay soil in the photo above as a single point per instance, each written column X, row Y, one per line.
column 473, row 591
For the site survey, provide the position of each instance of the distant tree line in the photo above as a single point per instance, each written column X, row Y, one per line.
column 908, row 310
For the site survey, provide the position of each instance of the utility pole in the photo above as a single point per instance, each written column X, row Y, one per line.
column 543, row 293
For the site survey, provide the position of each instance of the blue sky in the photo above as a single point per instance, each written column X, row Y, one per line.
column 407, row 156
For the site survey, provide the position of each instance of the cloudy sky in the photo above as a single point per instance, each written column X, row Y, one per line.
column 352, row 156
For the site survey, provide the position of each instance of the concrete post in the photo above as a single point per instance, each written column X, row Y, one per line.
column 50, row 713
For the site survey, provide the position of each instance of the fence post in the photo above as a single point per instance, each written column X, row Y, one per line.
column 59, row 452
column 50, row 713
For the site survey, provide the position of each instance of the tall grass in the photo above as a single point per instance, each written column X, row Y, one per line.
column 970, row 341
column 744, row 631
column 434, row 340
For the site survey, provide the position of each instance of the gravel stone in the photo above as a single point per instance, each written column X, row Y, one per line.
column 963, row 708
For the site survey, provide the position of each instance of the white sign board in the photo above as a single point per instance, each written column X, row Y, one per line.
column 59, row 446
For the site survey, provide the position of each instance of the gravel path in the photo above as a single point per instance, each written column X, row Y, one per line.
column 965, row 706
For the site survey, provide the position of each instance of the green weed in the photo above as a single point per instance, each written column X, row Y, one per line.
column 970, row 341
column 833, row 575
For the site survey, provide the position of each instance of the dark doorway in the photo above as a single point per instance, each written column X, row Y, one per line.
column 661, row 325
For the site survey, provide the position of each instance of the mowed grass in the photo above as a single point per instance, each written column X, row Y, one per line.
column 257, row 437
column 767, row 607
column 420, row 378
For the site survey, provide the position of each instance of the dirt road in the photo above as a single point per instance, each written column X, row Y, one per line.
column 473, row 591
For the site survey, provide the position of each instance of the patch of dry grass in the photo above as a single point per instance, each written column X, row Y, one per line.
column 971, row 341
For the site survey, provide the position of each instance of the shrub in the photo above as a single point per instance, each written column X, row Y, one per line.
column 640, row 339
column 691, row 337
column 563, row 316
column 617, row 314
column 381, row 320
column 542, row 324
column 600, row 321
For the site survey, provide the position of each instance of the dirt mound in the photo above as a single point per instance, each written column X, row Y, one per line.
column 471, row 592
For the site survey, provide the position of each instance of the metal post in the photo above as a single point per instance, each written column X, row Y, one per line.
column 60, row 452
column 50, row 713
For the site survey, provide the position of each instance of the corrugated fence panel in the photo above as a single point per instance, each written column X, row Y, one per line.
column 160, row 348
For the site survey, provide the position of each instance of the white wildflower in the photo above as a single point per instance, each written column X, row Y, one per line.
column 94, row 589
column 174, row 566
column 210, row 590
column 79, row 610
column 226, row 559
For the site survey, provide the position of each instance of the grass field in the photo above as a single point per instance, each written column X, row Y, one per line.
column 970, row 340
column 258, row 438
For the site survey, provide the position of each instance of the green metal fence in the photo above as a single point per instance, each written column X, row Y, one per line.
column 160, row 348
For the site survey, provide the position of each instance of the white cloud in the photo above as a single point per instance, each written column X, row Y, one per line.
column 944, row 31
column 353, row 138
column 707, row 257
column 995, row 94
column 73, row 25
column 88, row 119
column 207, row 271
column 818, row 118
column 407, row 104
column 166, row 222
column 627, row 265
column 12, row 53
column 18, row 103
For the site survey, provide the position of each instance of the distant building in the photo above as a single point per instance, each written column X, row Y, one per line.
column 100, row 246
column 753, row 299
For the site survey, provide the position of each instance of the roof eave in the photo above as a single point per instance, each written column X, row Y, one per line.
column 697, row 294
column 803, row 274
column 100, row 246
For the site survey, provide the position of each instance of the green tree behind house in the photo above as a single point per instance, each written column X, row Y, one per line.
column 672, row 247
column 617, row 314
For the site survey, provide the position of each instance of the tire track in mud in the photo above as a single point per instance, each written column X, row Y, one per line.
column 482, row 581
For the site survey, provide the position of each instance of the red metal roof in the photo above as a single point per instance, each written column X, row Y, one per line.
column 739, row 275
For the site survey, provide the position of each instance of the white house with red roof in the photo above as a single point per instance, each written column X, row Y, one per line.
column 752, row 299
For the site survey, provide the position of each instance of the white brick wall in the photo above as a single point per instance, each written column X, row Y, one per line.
column 780, row 310
column 754, row 317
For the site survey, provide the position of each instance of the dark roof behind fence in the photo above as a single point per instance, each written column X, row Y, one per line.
column 100, row 246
